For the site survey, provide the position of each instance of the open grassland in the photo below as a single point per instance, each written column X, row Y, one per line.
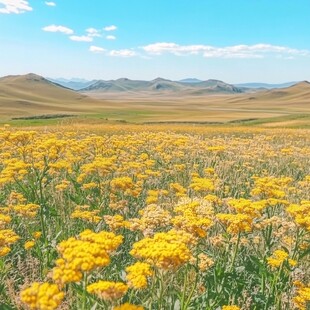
column 119, row 216
column 33, row 96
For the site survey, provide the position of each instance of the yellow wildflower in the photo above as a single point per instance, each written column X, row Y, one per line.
column 28, row 210
column 108, row 290
column 29, row 244
column 302, row 298
column 128, row 306
column 43, row 296
column 202, row 184
column 81, row 212
column 164, row 250
column 204, row 262
column 236, row 223
column 88, row 252
column 4, row 251
column 4, row 220
column 137, row 275
column 7, row 237
column 37, row 234
column 115, row 222
column 278, row 258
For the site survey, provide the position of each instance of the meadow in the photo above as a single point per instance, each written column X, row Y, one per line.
column 132, row 217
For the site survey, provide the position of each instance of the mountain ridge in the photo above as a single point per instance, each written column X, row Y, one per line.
column 161, row 85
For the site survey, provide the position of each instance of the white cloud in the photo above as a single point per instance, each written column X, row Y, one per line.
column 110, row 28
column 50, row 3
column 122, row 53
column 81, row 38
column 14, row 6
column 96, row 49
column 54, row 28
column 110, row 37
column 236, row 51
column 92, row 32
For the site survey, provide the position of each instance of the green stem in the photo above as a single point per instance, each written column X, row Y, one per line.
column 161, row 291
column 84, row 299
column 184, row 290
column 191, row 293
column 235, row 253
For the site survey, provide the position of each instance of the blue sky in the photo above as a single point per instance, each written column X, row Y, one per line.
column 232, row 40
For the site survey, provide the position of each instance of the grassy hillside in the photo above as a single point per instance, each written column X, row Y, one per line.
column 32, row 95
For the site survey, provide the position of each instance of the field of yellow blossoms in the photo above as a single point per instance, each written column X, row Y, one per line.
column 132, row 217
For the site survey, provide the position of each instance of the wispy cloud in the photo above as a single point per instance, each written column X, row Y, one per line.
column 110, row 28
column 110, row 37
column 92, row 32
column 55, row 28
column 14, row 6
column 122, row 53
column 113, row 53
column 236, row 51
column 81, row 38
column 96, row 49
column 50, row 3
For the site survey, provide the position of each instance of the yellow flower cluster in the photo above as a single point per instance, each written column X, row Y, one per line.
column 179, row 190
column 270, row 187
column 230, row 307
column 29, row 245
column 193, row 217
column 152, row 217
column 7, row 237
column 27, row 211
column 278, row 258
column 247, row 206
column 116, row 222
column 302, row 298
column 121, row 184
column 301, row 214
column 137, row 275
column 108, row 290
column 4, row 220
column 84, row 254
column 15, row 198
column 236, row 223
column 165, row 250
column 202, row 184
column 100, row 166
column 82, row 212
column 37, row 235
column 128, row 306
column 42, row 296
column 14, row 169
column 152, row 197
column 204, row 262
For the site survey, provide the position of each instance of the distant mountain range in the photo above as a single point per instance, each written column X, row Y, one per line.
column 131, row 85
column 265, row 85
column 74, row 84
column 162, row 86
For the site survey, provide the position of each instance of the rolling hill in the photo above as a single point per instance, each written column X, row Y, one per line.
column 30, row 94
column 298, row 92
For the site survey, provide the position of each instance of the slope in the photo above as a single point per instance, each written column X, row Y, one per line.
column 31, row 94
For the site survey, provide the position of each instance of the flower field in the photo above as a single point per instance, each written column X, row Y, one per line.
column 154, row 217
